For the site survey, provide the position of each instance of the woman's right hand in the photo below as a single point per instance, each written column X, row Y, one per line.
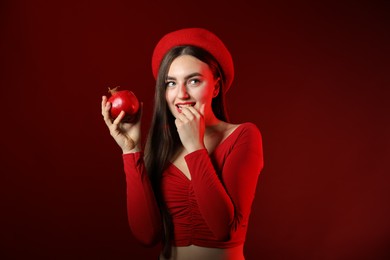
column 126, row 135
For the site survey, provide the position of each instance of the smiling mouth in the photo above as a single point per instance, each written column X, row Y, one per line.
column 183, row 105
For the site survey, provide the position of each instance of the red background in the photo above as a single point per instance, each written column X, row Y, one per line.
column 313, row 77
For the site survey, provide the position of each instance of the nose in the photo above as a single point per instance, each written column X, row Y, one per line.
column 182, row 92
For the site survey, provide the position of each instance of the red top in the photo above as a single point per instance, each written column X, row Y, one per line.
column 210, row 210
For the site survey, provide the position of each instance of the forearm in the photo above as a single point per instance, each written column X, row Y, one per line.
column 213, row 201
column 143, row 213
column 225, row 200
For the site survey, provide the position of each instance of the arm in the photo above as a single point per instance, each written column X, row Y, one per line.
column 227, row 206
column 143, row 212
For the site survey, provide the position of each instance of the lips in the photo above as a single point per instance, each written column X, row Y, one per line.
column 180, row 106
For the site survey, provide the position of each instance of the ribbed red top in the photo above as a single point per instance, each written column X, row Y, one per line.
column 212, row 209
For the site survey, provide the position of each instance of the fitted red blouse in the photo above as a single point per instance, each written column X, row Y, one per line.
column 210, row 210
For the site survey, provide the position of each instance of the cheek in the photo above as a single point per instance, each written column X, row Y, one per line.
column 205, row 96
column 168, row 96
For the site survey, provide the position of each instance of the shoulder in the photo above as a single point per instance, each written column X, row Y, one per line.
column 249, row 125
column 248, row 129
column 248, row 135
column 246, row 126
column 245, row 133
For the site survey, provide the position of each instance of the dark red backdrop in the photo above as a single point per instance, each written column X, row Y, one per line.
column 313, row 77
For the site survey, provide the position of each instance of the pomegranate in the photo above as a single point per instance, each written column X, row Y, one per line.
column 123, row 100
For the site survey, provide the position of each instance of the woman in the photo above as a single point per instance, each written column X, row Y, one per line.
column 194, row 188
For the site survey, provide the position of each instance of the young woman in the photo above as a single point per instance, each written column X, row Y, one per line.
column 193, row 187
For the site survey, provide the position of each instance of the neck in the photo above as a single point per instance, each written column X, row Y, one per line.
column 211, row 124
column 211, row 120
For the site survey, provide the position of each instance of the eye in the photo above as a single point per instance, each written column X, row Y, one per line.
column 170, row 84
column 194, row 82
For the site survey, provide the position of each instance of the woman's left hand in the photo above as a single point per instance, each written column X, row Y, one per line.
column 191, row 126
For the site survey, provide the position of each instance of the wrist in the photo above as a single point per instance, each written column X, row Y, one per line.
column 195, row 148
column 134, row 150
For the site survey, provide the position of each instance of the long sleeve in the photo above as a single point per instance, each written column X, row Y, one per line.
column 225, row 203
column 143, row 213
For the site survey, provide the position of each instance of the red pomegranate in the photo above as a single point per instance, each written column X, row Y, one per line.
column 123, row 100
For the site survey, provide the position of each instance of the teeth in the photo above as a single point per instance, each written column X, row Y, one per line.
column 186, row 105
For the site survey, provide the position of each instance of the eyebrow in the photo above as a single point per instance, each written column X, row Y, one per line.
column 187, row 77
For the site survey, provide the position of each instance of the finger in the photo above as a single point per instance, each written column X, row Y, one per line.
column 182, row 117
column 194, row 111
column 104, row 101
column 188, row 113
column 106, row 112
column 106, row 105
column 119, row 118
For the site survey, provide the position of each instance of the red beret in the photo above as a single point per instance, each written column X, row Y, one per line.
column 198, row 37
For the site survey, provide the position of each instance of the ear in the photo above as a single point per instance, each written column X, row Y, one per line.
column 217, row 87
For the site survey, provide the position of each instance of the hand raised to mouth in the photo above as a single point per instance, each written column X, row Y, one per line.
column 182, row 105
column 191, row 127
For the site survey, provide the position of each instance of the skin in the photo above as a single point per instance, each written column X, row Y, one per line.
column 190, row 88
column 126, row 135
column 191, row 81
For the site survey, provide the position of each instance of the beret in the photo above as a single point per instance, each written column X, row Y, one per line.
column 198, row 37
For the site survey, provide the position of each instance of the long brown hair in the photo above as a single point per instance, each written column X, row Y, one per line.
column 163, row 140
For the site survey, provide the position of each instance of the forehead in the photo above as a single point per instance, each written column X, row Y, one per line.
column 187, row 64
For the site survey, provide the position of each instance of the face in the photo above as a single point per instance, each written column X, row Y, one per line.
column 190, row 82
